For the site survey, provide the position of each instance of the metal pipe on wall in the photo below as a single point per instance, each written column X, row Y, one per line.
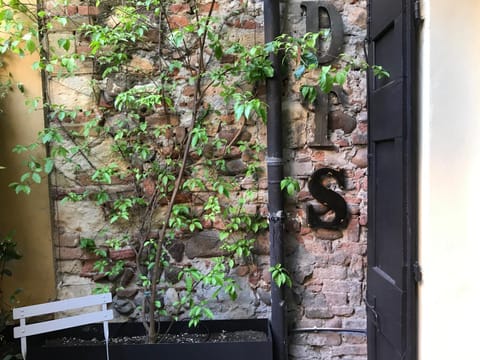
column 275, row 175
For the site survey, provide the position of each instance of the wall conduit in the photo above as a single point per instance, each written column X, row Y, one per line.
column 275, row 175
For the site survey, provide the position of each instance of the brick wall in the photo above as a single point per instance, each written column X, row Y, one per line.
column 327, row 266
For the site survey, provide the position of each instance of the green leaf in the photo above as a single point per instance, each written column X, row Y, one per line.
column 309, row 93
column 248, row 110
column 49, row 164
column 25, row 177
column 325, row 80
column 31, row 46
column 310, row 59
column 36, row 178
column 208, row 313
column 61, row 20
column 268, row 71
column 238, row 109
column 21, row 87
column 64, row 44
column 341, row 77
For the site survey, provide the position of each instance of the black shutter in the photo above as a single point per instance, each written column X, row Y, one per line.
column 392, row 245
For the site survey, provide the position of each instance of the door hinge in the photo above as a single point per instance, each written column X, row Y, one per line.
column 417, row 272
column 417, row 12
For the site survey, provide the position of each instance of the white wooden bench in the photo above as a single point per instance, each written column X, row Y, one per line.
column 23, row 313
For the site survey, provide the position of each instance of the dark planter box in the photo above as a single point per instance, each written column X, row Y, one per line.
column 44, row 347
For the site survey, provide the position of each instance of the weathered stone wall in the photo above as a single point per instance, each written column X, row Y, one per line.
column 327, row 266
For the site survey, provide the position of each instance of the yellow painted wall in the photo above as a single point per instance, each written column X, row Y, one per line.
column 450, row 178
column 28, row 215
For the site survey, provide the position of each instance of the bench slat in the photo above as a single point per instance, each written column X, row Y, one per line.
column 64, row 323
column 62, row 305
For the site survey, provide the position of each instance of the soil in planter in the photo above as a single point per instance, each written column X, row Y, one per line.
column 184, row 338
column 9, row 348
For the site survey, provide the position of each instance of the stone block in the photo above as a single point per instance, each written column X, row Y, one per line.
column 68, row 253
column 67, row 291
column 74, row 280
column 123, row 306
column 54, row 38
column 68, row 239
column 297, row 168
column 72, row 92
column 69, row 266
column 176, row 251
column 80, row 216
column 361, row 158
column 262, row 245
column 203, row 244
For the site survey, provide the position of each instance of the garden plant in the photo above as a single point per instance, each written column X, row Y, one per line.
column 161, row 124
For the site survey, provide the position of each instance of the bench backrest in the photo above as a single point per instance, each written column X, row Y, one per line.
column 26, row 312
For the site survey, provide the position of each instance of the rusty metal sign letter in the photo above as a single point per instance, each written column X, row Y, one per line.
column 328, row 198
column 316, row 20
column 321, row 104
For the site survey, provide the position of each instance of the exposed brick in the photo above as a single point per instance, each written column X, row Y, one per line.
column 179, row 8
column 88, row 269
column 205, row 8
column 178, row 21
column 71, row 10
column 347, row 350
column 88, row 10
column 354, row 323
column 328, row 266
column 336, row 298
column 122, row 254
column 262, row 245
column 245, row 24
column 354, row 339
column 330, row 272
column 356, row 268
column 363, row 219
column 148, row 187
column 343, row 286
column 319, row 313
column 320, row 339
column 342, row 310
column 316, row 246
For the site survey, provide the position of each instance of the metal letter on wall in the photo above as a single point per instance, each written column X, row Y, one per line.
column 323, row 15
column 328, row 198
column 321, row 104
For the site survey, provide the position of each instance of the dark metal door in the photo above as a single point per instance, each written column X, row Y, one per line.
column 391, row 283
